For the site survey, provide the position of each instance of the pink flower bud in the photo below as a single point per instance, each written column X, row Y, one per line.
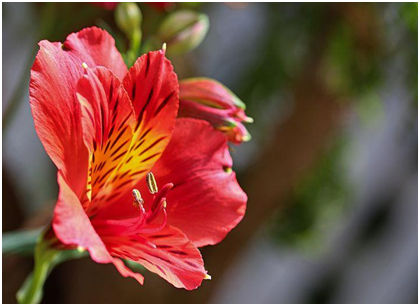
column 207, row 99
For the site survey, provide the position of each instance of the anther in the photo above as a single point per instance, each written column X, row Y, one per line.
column 84, row 65
column 137, row 199
column 151, row 183
column 227, row 169
column 207, row 277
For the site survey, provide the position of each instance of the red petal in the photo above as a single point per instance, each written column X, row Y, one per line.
column 168, row 253
column 72, row 227
column 96, row 47
column 106, row 107
column 206, row 201
column 153, row 88
column 56, row 112
column 126, row 272
column 108, row 122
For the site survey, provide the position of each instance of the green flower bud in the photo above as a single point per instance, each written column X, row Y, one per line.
column 183, row 31
column 128, row 18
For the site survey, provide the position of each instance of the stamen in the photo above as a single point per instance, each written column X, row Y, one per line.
column 155, row 212
column 142, row 223
column 84, row 65
column 151, row 183
column 207, row 277
column 137, row 199
column 145, row 242
column 159, row 228
column 159, row 203
column 162, row 194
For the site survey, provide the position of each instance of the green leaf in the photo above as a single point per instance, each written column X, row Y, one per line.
column 20, row 242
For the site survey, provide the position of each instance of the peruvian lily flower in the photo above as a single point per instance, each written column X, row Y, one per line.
column 209, row 100
column 135, row 182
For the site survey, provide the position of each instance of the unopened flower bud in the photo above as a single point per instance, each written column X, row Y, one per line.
column 183, row 31
column 128, row 18
column 207, row 99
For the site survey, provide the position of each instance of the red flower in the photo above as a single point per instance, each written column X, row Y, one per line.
column 106, row 128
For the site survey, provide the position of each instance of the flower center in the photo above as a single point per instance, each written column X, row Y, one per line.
column 144, row 223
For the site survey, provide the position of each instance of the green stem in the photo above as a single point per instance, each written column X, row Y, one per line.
column 134, row 51
column 136, row 41
column 45, row 259
column 31, row 291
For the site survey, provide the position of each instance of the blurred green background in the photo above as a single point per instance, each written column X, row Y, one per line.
column 331, row 172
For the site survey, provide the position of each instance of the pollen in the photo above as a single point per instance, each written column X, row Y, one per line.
column 137, row 199
column 227, row 169
column 151, row 183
